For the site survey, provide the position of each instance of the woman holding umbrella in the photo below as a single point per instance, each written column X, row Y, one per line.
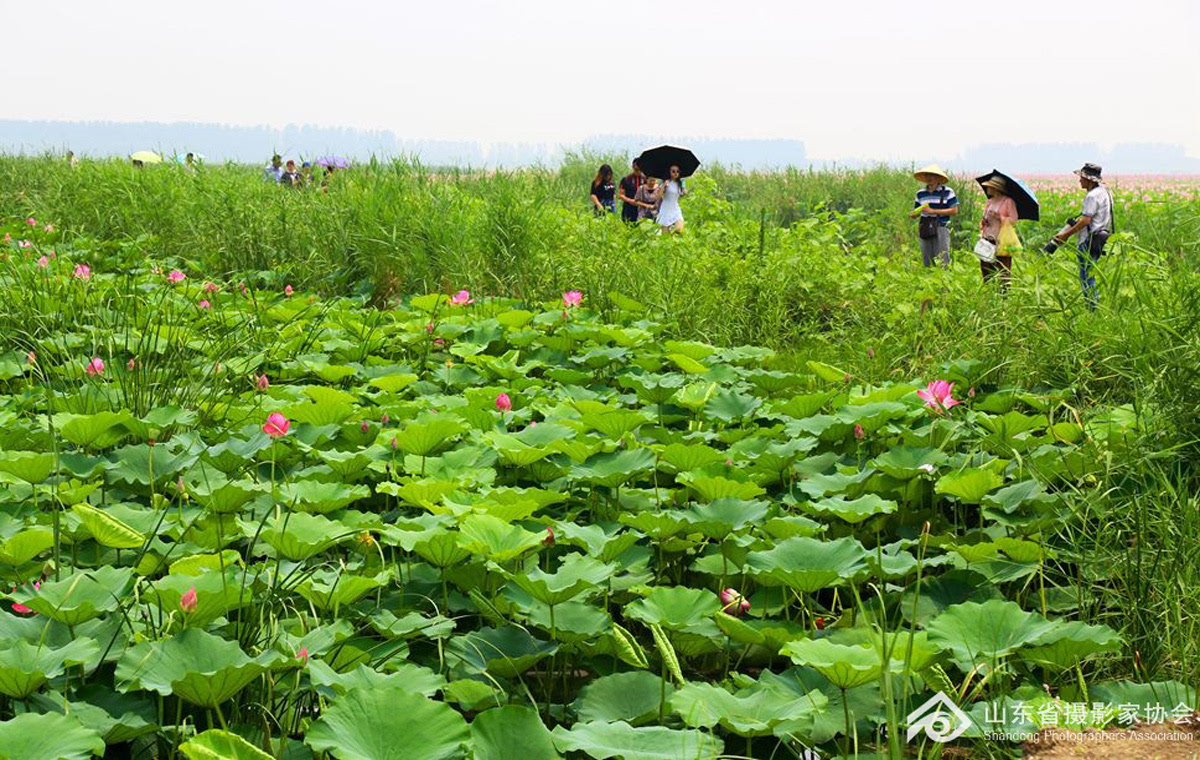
column 670, row 215
column 1008, row 201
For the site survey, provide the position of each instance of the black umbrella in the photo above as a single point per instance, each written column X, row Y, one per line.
column 657, row 162
column 1027, row 202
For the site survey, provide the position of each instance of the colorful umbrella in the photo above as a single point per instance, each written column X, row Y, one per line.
column 146, row 157
column 337, row 162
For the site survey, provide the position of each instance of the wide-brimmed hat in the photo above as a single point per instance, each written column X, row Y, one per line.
column 996, row 183
column 1090, row 172
column 933, row 169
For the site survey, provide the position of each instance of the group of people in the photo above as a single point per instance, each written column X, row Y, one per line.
column 641, row 197
column 936, row 203
column 286, row 173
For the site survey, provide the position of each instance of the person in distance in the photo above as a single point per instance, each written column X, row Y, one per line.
column 603, row 192
column 630, row 184
column 935, row 204
column 1092, row 229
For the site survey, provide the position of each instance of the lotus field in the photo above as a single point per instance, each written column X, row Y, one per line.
column 245, row 520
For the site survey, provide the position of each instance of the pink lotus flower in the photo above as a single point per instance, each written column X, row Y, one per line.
column 393, row 444
column 287, row 291
column 95, row 367
column 858, row 432
column 242, row 287
column 302, row 656
column 870, row 353
column 204, row 304
column 938, row 396
column 31, row 357
column 131, row 365
column 383, row 420
column 277, row 425
column 365, row 426
column 49, row 228
column 188, row 602
column 176, row 276
column 462, row 298
column 572, row 298
column 549, row 539
column 83, row 272
column 504, row 403
column 733, row 603
column 429, row 327
column 439, row 342
column 210, row 287
column 43, row 262
column 261, row 382
column 31, row 222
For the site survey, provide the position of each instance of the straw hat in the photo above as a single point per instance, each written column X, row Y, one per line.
column 996, row 183
column 933, row 169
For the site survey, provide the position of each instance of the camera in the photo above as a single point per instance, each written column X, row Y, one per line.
column 1051, row 246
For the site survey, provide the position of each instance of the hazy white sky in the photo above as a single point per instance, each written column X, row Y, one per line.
column 885, row 79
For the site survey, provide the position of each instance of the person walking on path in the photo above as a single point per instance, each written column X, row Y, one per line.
column 290, row 177
column 998, row 227
column 670, row 215
column 630, row 184
column 935, row 204
column 273, row 171
column 603, row 191
column 1092, row 228
column 647, row 207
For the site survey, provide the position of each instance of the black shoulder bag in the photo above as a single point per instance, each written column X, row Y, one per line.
column 927, row 227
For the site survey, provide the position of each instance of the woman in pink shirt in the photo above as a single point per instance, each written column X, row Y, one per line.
column 1000, row 211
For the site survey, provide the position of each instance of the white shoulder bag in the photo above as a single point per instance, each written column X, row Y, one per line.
column 985, row 250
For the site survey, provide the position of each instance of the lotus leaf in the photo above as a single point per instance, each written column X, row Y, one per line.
column 986, row 632
column 48, row 736
column 1068, row 644
column 620, row 740
column 216, row 744
column 676, row 608
column 78, row 597
column 512, row 731
column 969, row 485
column 504, row 652
column 576, row 575
column 749, row 712
column 407, row 676
column 809, row 564
column 24, row 667
column 633, row 697
column 108, row 530
column 389, row 724
column 194, row 665
column 495, row 539
column 844, row 666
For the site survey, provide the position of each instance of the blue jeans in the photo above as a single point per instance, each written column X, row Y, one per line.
column 1087, row 277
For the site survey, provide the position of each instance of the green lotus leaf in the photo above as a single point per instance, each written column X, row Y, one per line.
column 844, row 666
column 79, row 597
column 576, row 575
column 407, row 676
column 809, row 564
column 442, row 550
column 871, row 416
column 116, row 717
column 108, row 530
column 330, row 589
column 48, row 736
column 389, row 724
column 713, row 487
column 495, row 539
column 738, row 630
column 1165, row 694
column 514, row 452
column 225, row 496
column 632, row 697
column 216, row 744
column 652, row 389
column 659, row 525
column 426, row 493
column 321, row 414
column 96, row 431
column 827, row 372
column 681, row 457
column 1068, row 644
column 233, row 454
column 1011, row 498
column 687, row 364
column 676, row 608
column 695, row 396
column 728, row 406
column 410, row 625
column 802, row 406
column 969, row 485
column 503, row 652
column 851, row 510
column 393, row 383
column 428, row 435
column 986, row 632
column 194, row 665
column 620, row 740
column 749, row 712
column 315, row 496
column 512, row 731
column 720, row 517
column 24, row 545
column 216, row 594
column 30, row 466
column 299, row 535
column 24, row 667
column 140, row 464
column 614, row 469
column 907, row 462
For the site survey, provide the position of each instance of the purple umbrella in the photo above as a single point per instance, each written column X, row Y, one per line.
column 337, row 162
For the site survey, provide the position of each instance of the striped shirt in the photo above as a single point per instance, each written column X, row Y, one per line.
column 942, row 198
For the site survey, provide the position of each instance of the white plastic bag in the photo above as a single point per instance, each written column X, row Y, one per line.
column 985, row 250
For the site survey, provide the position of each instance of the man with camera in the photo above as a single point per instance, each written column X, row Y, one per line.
column 1092, row 229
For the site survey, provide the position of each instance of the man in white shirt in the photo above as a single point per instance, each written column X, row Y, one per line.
column 273, row 172
column 1091, row 228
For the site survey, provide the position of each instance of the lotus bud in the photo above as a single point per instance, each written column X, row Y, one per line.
column 549, row 539
column 262, row 383
column 504, row 403
column 393, row 444
column 287, row 291
column 384, row 419
column 365, row 426
column 733, row 603
column 188, row 602
column 302, row 656
column 819, row 624
column 131, row 365
column 858, row 432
